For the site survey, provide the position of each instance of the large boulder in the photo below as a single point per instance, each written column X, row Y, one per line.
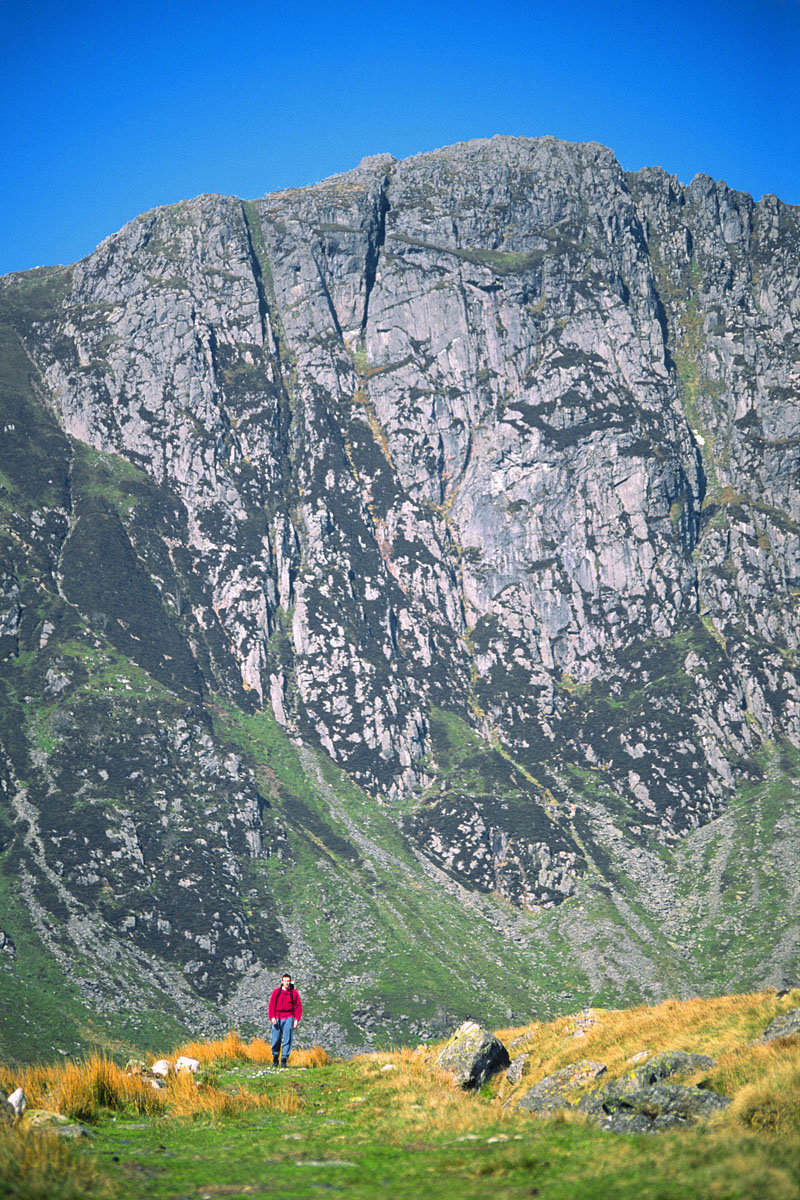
column 786, row 1025
column 650, row 1109
column 472, row 1055
column 18, row 1101
column 558, row 1090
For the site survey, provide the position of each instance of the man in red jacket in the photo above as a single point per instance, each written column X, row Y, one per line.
column 285, row 1011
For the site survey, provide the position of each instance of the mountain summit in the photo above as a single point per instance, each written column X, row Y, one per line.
column 432, row 528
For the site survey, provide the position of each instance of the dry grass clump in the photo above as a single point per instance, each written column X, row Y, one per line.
column 35, row 1165
column 82, row 1090
column 764, row 1082
column 183, row 1098
column 315, row 1057
column 232, row 1049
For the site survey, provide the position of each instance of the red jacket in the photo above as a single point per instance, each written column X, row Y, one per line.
column 285, row 1004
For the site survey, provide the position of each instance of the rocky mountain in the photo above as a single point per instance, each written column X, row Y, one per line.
column 399, row 580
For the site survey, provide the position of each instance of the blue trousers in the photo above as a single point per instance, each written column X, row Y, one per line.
column 282, row 1032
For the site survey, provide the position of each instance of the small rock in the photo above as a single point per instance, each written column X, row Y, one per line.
column 71, row 1131
column 184, row 1065
column 514, row 1072
column 324, row 1162
column 642, row 1056
column 472, row 1055
column 389, row 1067
column 135, row 1066
column 161, row 1067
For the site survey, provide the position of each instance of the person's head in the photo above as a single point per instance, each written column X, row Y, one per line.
column 286, row 981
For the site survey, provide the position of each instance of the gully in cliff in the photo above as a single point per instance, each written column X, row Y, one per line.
column 285, row 1011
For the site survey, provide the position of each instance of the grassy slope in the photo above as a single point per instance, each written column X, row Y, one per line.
column 357, row 1128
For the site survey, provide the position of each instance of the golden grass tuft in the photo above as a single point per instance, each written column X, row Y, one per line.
column 315, row 1057
column 770, row 1102
column 36, row 1164
column 84, row 1090
column 81, row 1090
column 185, row 1098
column 232, row 1048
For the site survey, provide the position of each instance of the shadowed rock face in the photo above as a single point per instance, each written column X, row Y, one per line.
column 497, row 430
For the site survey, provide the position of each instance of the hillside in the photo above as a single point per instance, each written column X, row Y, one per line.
column 398, row 583
column 395, row 1123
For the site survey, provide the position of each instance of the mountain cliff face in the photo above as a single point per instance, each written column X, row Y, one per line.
column 458, row 494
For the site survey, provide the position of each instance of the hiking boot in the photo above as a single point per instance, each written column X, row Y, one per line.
column 284, row 1062
column 274, row 1062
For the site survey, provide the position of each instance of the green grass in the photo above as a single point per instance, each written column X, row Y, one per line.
column 355, row 1128
column 301, row 1156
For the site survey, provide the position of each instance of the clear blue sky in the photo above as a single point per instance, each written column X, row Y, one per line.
column 108, row 109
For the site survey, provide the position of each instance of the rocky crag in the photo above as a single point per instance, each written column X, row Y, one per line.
column 434, row 528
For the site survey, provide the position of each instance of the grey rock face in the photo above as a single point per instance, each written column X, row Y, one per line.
column 560, row 1089
column 472, row 1055
column 786, row 1025
column 653, row 1108
column 668, row 1063
column 496, row 434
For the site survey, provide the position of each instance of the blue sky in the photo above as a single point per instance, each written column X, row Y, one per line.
column 109, row 109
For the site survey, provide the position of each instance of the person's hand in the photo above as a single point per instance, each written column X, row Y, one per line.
column 274, row 1020
column 295, row 1024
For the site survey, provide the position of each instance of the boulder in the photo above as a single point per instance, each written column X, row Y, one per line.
column 557, row 1090
column 786, row 1025
column 650, row 1109
column 655, row 1070
column 185, row 1065
column 161, row 1067
column 18, row 1101
column 472, row 1055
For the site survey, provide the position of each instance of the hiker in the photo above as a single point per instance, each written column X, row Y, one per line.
column 285, row 1011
